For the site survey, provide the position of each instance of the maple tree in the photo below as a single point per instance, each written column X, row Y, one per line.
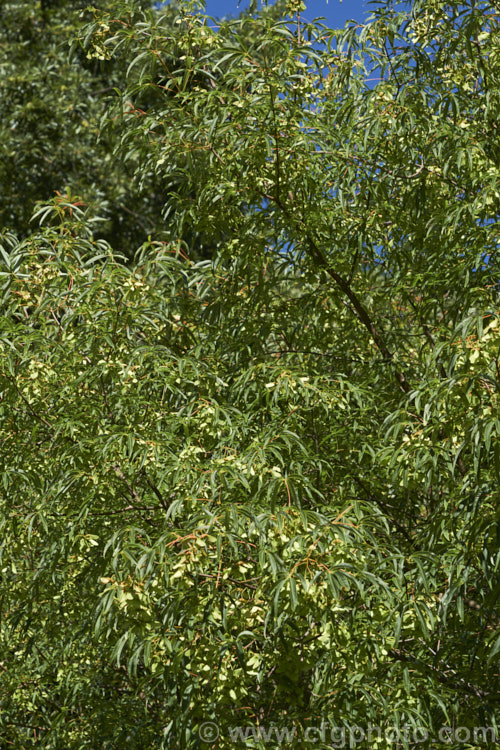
column 261, row 487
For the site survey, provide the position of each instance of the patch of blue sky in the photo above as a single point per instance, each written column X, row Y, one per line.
column 335, row 12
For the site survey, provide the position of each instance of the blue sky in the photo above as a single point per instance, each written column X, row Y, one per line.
column 335, row 11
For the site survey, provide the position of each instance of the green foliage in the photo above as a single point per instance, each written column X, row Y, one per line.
column 54, row 97
column 262, row 488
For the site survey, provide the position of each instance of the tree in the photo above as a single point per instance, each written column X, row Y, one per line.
column 54, row 100
column 262, row 489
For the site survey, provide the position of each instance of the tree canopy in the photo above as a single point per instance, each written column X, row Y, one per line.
column 249, row 376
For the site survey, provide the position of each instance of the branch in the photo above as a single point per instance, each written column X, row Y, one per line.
column 157, row 492
column 346, row 288
column 360, row 310
column 451, row 680
column 383, row 507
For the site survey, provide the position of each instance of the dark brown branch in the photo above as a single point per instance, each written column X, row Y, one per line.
column 157, row 492
column 451, row 680
column 346, row 288
column 360, row 311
